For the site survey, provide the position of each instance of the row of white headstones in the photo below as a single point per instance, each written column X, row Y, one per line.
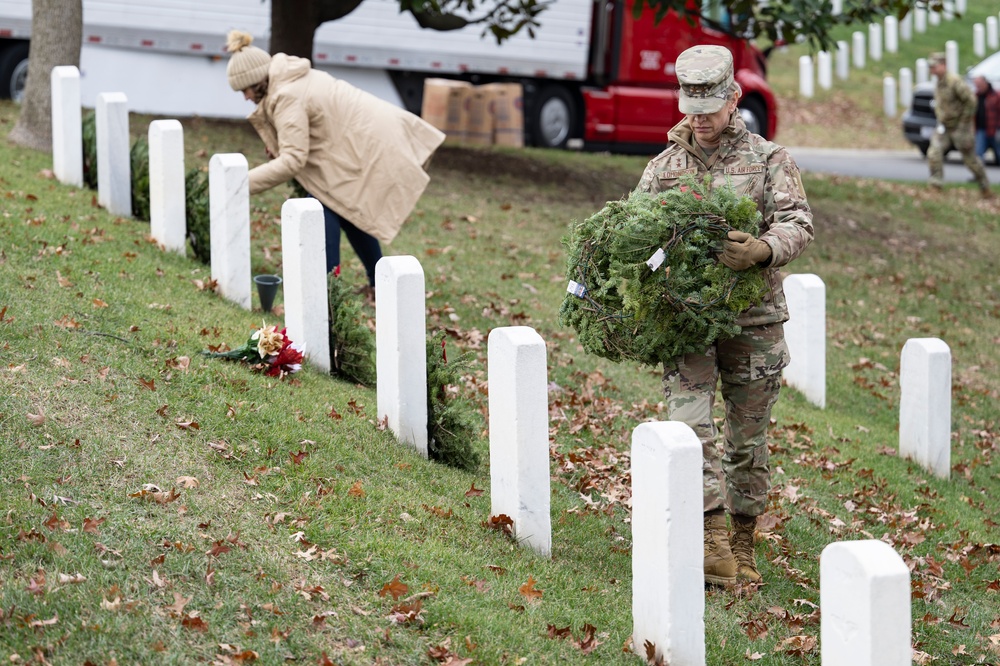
column 864, row 585
column 894, row 95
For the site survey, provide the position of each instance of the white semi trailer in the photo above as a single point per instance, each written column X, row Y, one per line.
column 594, row 74
column 168, row 56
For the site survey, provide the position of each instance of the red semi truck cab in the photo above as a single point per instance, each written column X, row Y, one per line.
column 630, row 100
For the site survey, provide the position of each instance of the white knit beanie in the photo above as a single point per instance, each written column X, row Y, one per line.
column 248, row 65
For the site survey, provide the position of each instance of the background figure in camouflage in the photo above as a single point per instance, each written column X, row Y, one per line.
column 955, row 108
column 713, row 140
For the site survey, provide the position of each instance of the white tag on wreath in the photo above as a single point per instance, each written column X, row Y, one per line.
column 576, row 288
column 656, row 260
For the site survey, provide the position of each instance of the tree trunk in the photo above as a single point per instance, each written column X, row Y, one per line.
column 293, row 27
column 294, row 23
column 56, row 35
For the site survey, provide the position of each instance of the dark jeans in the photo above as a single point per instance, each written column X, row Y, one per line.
column 983, row 141
column 367, row 247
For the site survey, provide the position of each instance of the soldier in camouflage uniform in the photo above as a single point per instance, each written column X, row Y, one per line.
column 955, row 108
column 713, row 140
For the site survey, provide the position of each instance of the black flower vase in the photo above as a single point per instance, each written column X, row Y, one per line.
column 267, row 287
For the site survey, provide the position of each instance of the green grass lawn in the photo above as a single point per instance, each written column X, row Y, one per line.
column 279, row 522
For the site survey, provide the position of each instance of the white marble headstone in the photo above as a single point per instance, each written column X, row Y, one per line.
column 890, row 26
column 805, row 335
column 858, row 49
column 843, row 60
column 864, row 605
column 668, row 579
column 824, row 70
column 401, row 349
column 229, row 212
column 167, row 205
column 114, row 166
column 875, row 41
column 303, row 262
column 925, row 404
column 519, row 433
column 806, row 87
column 67, row 141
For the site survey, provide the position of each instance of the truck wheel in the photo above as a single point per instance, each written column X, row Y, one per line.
column 553, row 117
column 14, row 71
column 754, row 115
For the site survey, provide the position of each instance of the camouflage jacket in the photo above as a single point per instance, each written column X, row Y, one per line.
column 759, row 169
column 954, row 102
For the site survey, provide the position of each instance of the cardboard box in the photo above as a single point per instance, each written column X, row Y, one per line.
column 478, row 120
column 443, row 106
column 507, row 110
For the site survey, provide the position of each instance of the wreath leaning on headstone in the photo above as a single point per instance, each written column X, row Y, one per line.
column 645, row 283
column 454, row 423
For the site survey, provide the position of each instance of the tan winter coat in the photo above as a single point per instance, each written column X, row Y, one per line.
column 360, row 156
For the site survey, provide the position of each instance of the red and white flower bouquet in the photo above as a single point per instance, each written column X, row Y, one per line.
column 267, row 350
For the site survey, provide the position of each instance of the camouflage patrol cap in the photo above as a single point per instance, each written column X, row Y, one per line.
column 937, row 58
column 705, row 74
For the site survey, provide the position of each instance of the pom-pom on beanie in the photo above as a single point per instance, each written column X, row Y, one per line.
column 248, row 65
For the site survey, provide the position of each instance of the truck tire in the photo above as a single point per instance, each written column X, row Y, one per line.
column 13, row 70
column 553, row 117
column 754, row 114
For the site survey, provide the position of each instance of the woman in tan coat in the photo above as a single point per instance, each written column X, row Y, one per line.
column 360, row 156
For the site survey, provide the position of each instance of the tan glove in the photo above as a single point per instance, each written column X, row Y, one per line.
column 742, row 251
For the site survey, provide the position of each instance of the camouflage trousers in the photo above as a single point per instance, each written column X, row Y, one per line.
column 735, row 475
column 964, row 139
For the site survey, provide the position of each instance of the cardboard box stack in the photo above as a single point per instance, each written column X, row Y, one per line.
column 507, row 110
column 444, row 106
column 476, row 115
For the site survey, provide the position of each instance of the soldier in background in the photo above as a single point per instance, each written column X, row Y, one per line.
column 713, row 140
column 955, row 108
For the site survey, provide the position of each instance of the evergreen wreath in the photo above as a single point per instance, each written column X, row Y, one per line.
column 352, row 343
column 139, row 158
column 88, row 135
column 645, row 283
column 196, row 209
column 453, row 422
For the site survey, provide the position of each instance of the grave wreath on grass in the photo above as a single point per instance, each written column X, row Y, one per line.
column 645, row 283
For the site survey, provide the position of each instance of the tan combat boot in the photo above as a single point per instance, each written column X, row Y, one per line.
column 720, row 565
column 742, row 541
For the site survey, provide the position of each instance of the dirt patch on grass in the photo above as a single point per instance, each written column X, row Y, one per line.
column 529, row 172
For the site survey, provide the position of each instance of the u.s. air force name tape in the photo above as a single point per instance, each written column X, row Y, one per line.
column 656, row 260
column 576, row 288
